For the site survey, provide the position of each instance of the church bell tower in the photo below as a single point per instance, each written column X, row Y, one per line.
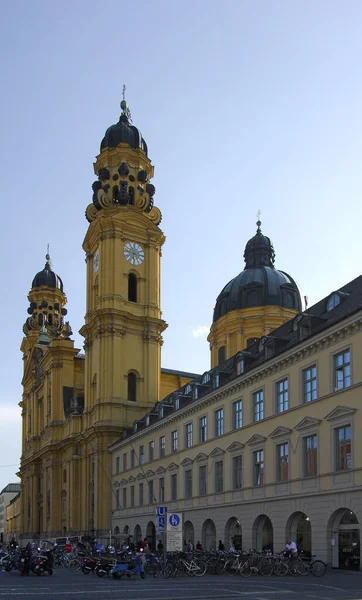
column 123, row 323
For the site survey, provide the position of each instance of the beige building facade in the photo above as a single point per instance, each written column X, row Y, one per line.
column 261, row 449
column 13, row 511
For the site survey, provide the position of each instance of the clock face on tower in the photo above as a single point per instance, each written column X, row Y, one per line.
column 134, row 253
column 96, row 261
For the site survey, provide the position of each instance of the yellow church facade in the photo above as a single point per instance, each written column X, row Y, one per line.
column 77, row 404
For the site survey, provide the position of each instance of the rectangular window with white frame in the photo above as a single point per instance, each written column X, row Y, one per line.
column 282, row 394
column 161, row 489
column 309, row 384
column 173, row 487
column 283, row 462
column 203, row 429
column 310, row 455
column 202, row 480
column 219, row 422
column 219, row 476
column 162, row 446
column 174, row 441
column 258, row 403
column 237, row 472
column 343, row 437
column 237, row 414
column 141, row 455
column 342, row 370
column 150, row 492
column 151, row 450
column 188, row 435
column 258, row 464
column 188, row 483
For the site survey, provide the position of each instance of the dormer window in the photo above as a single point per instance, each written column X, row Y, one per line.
column 160, row 414
column 195, row 393
column 240, row 366
column 333, row 301
column 135, row 424
column 188, row 389
column 147, row 420
column 206, row 378
column 177, row 403
column 216, row 380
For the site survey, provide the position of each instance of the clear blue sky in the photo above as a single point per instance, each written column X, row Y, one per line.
column 245, row 105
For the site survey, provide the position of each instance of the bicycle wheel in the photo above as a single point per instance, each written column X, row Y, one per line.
column 201, row 568
column 231, row 567
column 265, row 567
column 245, row 569
column 74, row 565
column 168, row 570
column 318, row 568
column 296, row 567
column 280, row 569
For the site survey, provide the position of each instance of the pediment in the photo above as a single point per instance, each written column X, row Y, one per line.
column 186, row 462
column 160, row 470
column 307, row 423
column 280, row 431
column 217, row 452
column 130, row 479
column 340, row 412
column 172, row 466
column 256, row 439
column 150, row 473
column 235, row 446
column 201, row 456
column 116, row 484
column 140, row 476
column 123, row 481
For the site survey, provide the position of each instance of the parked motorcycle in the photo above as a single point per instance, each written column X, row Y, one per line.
column 24, row 562
column 44, row 563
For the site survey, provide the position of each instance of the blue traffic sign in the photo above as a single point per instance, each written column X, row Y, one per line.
column 161, row 522
column 161, row 511
column 174, row 520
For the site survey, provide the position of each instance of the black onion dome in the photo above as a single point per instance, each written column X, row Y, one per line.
column 259, row 284
column 123, row 133
column 47, row 277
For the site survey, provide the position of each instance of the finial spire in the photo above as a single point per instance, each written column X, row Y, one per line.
column 258, row 215
column 47, row 257
column 125, row 110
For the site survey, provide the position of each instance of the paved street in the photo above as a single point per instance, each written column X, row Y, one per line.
column 63, row 584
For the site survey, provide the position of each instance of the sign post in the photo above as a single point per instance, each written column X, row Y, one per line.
column 174, row 532
column 161, row 513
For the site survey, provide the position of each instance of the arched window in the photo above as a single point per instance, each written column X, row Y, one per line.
column 132, row 387
column 132, row 287
column 221, row 355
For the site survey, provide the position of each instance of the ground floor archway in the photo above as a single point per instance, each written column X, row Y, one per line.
column 188, row 533
column 299, row 530
column 233, row 534
column 137, row 535
column 263, row 533
column 208, row 535
column 344, row 540
column 151, row 536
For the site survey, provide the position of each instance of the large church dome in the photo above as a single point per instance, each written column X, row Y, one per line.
column 259, row 284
